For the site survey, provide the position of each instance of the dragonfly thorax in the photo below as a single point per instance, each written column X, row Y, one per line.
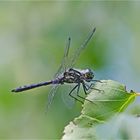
column 77, row 76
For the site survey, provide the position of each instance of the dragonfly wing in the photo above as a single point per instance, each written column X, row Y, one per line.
column 61, row 69
column 51, row 95
column 68, row 100
column 64, row 61
column 82, row 47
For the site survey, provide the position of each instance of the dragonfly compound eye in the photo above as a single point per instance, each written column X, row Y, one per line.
column 90, row 75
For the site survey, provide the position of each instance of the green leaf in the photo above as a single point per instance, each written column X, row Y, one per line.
column 107, row 99
column 111, row 99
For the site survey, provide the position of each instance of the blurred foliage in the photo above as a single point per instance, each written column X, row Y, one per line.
column 120, row 127
column 32, row 39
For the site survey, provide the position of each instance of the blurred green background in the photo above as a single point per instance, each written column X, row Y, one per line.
column 33, row 36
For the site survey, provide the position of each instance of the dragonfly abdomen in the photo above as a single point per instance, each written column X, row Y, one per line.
column 27, row 87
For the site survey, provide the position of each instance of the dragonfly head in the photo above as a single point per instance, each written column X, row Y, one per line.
column 88, row 75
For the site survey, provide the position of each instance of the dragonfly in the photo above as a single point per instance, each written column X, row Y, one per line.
column 67, row 74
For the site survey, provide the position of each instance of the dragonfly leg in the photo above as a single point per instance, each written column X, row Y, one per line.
column 73, row 96
column 85, row 90
column 78, row 92
column 78, row 88
column 91, row 87
column 84, row 87
column 97, row 81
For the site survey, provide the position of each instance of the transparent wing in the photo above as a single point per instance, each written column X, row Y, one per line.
column 64, row 62
column 82, row 47
column 61, row 69
column 51, row 95
column 67, row 99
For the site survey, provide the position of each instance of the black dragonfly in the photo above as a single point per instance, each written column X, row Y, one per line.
column 67, row 74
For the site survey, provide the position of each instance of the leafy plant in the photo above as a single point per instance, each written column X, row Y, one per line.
column 109, row 98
